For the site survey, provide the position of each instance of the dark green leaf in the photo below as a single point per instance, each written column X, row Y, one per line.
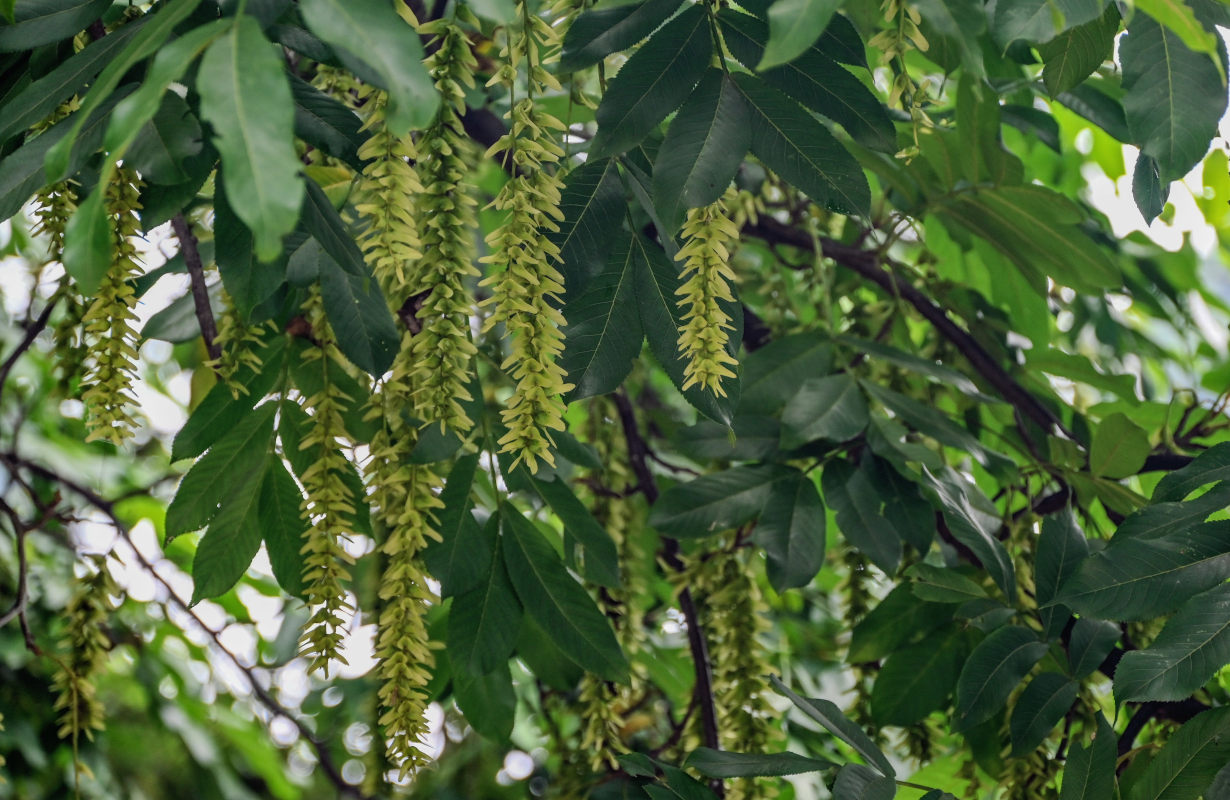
column 856, row 782
column 795, row 145
column 853, row 494
column 973, row 521
column 1092, row 640
column 178, row 322
column 1099, row 108
column 1061, row 548
column 596, row 34
column 483, row 623
column 772, row 373
column 325, row 123
column 1077, row 52
column 794, row 25
column 1042, row 705
column 1211, row 465
column 653, row 82
column 1090, row 771
column 1193, row 646
column 599, row 556
column 831, row 408
column 1189, row 761
column 246, row 99
column 247, row 279
column 714, row 503
column 918, row 678
column 943, row 585
column 462, row 557
column 961, row 22
column 835, row 722
column 1147, row 188
column 593, row 207
column 1174, row 96
column 748, row 439
column 282, row 526
column 163, row 143
column 1136, row 579
column 233, row 538
column 725, row 764
column 377, row 45
column 897, row 619
column 791, row 531
column 704, row 147
column 603, row 336
column 1039, row 21
column 558, row 603
column 993, row 670
column 488, row 701
column 39, row 22
column 923, row 366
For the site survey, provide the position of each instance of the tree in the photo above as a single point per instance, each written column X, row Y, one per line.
column 708, row 399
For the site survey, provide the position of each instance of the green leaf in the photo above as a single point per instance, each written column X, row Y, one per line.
column 1061, row 548
column 831, row 408
column 854, row 495
column 1092, row 640
column 462, row 557
column 165, row 142
column 483, row 623
column 943, row 585
column 1181, row 19
column 718, row 502
column 1189, row 761
column 724, row 764
column 558, row 603
column 87, row 243
column 1211, row 465
column 39, row 22
column 1193, row 646
column 961, row 22
column 1077, row 52
column 704, row 147
column 248, row 280
column 918, row 678
column 932, row 369
column 1099, row 108
column 596, row 34
column 771, row 374
column 993, row 670
column 1089, row 773
column 657, row 287
column 1039, row 21
column 1137, row 579
column 795, row 145
column 233, row 539
column 748, row 439
column 653, row 82
column 380, row 48
column 488, row 701
column 856, row 782
column 599, row 556
column 178, row 322
column 593, row 207
column 1147, row 188
column 603, row 337
column 1174, row 98
column 1119, row 447
column 498, row 11
column 897, row 619
column 791, row 531
column 326, row 124
column 246, row 99
column 41, row 97
column 794, row 26
column 235, row 461
column 835, row 722
column 282, row 526
column 145, row 43
column 1042, row 705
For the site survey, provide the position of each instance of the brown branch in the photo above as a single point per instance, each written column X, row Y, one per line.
column 200, row 292
column 33, row 329
column 638, row 456
column 323, row 756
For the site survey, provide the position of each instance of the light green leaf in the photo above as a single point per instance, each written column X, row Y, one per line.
column 557, row 602
column 724, row 764
column 704, row 147
column 1189, row 761
column 918, row 678
column 381, row 48
column 993, row 670
column 795, row 145
column 794, row 26
column 483, row 623
column 87, row 243
column 603, row 336
column 282, row 526
column 1193, row 646
column 40, row 22
column 1090, row 771
column 246, row 98
column 1119, row 447
column 718, row 502
column 836, row 723
column 1174, row 98
column 791, row 531
column 1042, row 705
column 653, row 82
column 831, row 408
column 597, row 33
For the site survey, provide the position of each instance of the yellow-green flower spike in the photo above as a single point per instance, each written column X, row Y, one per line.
column 111, row 339
column 86, row 646
column 709, row 235
column 526, row 292
column 442, row 349
column 329, row 504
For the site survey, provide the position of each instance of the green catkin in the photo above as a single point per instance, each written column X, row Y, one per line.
column 86, row 647
column 54, row 208
column 443, row 351
column 526, row 291
column 238, row 346
column 329, row 505
column 710, row 235
column 111, row 339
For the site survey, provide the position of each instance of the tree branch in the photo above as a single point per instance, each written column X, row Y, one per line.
column 33, row 329
column 200, row 292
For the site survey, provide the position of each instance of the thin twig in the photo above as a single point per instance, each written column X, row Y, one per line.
column 33, row 329
column 200, row 292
